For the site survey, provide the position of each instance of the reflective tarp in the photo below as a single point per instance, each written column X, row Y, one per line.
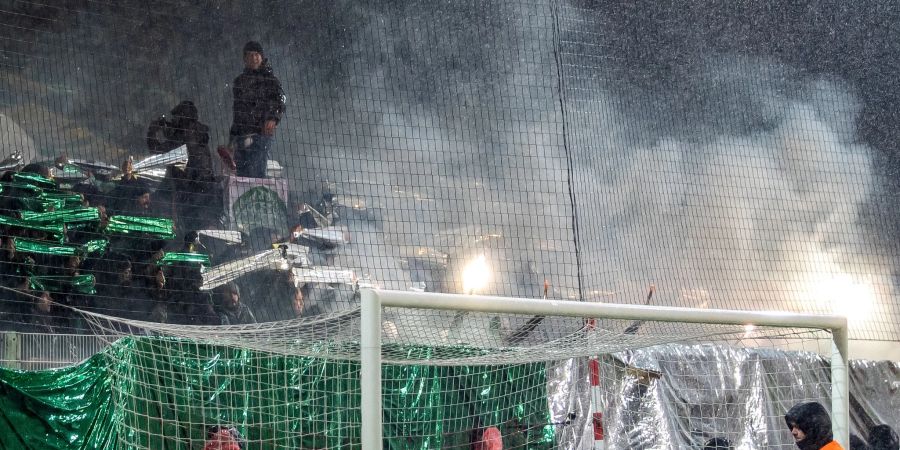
column 34, row 179
column 21, row 188
column 68, row 408
column 55, row 230
column 678, row 396
column 190, row 258
column 63, row 199
column 168, row 393
column 49, row 248
column 154, row 226
column 78, row 284
column 62, row 216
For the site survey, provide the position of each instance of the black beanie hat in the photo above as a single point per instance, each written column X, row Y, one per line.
column 253, row 46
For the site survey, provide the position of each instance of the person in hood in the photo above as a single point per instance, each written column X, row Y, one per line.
column 810, row 426
column 718, row 443
column 229, row 308
column 883, row 437
column 258, row 107
column 182, row 126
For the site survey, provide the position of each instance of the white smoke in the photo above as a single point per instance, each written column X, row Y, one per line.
column 768, row 218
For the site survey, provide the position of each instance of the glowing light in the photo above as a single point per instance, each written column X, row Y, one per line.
column 847, row 296
column 828, row 285
column 476, row 275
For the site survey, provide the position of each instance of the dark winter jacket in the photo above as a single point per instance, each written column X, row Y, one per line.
column 168, row 133
column 883, row 437
column 258, row 98
column 237, row 316
column 813, row 420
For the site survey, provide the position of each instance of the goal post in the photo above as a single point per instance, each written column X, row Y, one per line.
column 371, row 328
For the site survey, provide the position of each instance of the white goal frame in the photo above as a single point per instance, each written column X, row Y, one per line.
column 373, row 301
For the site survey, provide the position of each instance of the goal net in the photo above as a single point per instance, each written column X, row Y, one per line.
column 430, row 371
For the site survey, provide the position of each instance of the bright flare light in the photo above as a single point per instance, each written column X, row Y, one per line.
column 847, row 296
column 476, row 275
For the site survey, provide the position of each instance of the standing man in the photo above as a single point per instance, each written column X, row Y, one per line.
column 258, row 106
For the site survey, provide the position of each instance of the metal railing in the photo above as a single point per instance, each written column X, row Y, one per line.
column 38, row 351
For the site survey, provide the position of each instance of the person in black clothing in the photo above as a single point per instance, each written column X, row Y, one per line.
column 183, row 127
column 883, row 437
column 718, row 443
column 857, row 443
column 810, row 426
column 258, row 107
column 229, row 308
column 192, row 193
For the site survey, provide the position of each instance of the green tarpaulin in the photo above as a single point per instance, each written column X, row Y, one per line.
column 162, row 393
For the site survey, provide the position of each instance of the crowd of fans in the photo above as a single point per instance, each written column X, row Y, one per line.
column 125, row 246
column 117, row 247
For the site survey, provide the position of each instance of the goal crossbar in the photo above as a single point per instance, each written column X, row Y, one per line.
column 374, row 300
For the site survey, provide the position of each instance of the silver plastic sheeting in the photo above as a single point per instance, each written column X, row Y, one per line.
column 874, row 395
column 153, row 163
column 568, row 391
column 679, row 396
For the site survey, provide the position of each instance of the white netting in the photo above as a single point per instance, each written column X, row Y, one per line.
column 449, row 378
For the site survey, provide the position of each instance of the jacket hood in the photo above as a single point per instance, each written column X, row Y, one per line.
column 883, row 437
column 813, row 420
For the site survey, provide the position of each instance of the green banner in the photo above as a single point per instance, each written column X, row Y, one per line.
column 191, row 258
column 79, row 284
column 34, row 179
column 155, row 226
column 49, row 248
column 62, row 216
column 55, row 230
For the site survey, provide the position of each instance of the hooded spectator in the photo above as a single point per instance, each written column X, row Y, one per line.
column 131, row 197
column 883, row 437
column 810, row 426
column 718, row 443
column 183, row 127
column 230, row 309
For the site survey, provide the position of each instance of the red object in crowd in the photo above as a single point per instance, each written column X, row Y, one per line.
column 491, row 439
column 227, row 159
column 598, row 426
column 222, row 440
